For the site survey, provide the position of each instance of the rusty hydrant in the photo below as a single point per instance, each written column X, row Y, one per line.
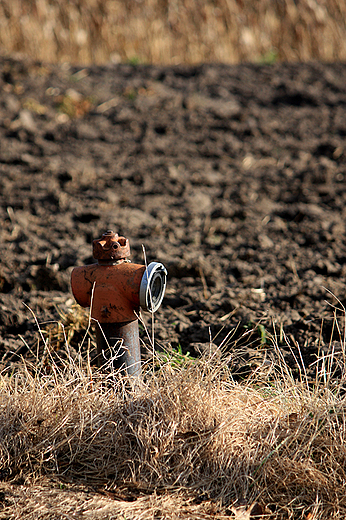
column 116, row 289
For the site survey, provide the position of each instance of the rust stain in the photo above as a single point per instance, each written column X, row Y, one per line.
column 115, row 290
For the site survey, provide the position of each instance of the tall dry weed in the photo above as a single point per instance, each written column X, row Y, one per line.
column 191, row 427
column 174, row 31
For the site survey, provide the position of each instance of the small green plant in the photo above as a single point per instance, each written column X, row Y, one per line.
column 270, row 57
column 130, row 93
column 175, row 357
column 263, row 334
column 134, row 60
column 73, row 105
column 258, row 329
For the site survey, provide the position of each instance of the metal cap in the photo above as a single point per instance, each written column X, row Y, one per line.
column 111, row 247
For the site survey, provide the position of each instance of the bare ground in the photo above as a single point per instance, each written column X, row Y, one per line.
column 232, row 176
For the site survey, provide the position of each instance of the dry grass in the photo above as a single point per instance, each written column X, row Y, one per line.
column 174, row 31
column 188, row 441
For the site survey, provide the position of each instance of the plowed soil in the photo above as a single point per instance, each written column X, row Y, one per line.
column 233, row 176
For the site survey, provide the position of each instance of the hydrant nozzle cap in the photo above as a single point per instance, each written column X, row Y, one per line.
column 111, row 247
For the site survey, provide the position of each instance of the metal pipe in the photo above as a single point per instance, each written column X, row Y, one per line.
column 118, row 343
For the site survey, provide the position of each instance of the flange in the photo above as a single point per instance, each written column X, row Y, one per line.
column 153, row 286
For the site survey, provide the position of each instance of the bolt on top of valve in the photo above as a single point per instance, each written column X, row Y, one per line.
column 111, row 247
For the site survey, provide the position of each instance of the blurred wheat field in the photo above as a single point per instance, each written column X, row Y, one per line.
column 174, row 31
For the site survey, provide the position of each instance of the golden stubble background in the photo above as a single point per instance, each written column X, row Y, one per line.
column 174, row 31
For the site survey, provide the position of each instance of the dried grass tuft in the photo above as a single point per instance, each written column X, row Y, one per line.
column 189, row 430
column 174, row 31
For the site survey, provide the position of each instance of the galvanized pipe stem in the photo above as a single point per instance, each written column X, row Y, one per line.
column 118, row 344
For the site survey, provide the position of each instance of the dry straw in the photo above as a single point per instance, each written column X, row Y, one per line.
column 187, row 435
column 174, row 31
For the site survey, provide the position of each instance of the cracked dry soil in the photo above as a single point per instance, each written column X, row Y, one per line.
column 233, row 176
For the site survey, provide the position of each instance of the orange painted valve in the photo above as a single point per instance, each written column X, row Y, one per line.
column 116, row 289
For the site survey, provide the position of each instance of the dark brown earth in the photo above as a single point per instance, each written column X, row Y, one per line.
column 233, row 176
